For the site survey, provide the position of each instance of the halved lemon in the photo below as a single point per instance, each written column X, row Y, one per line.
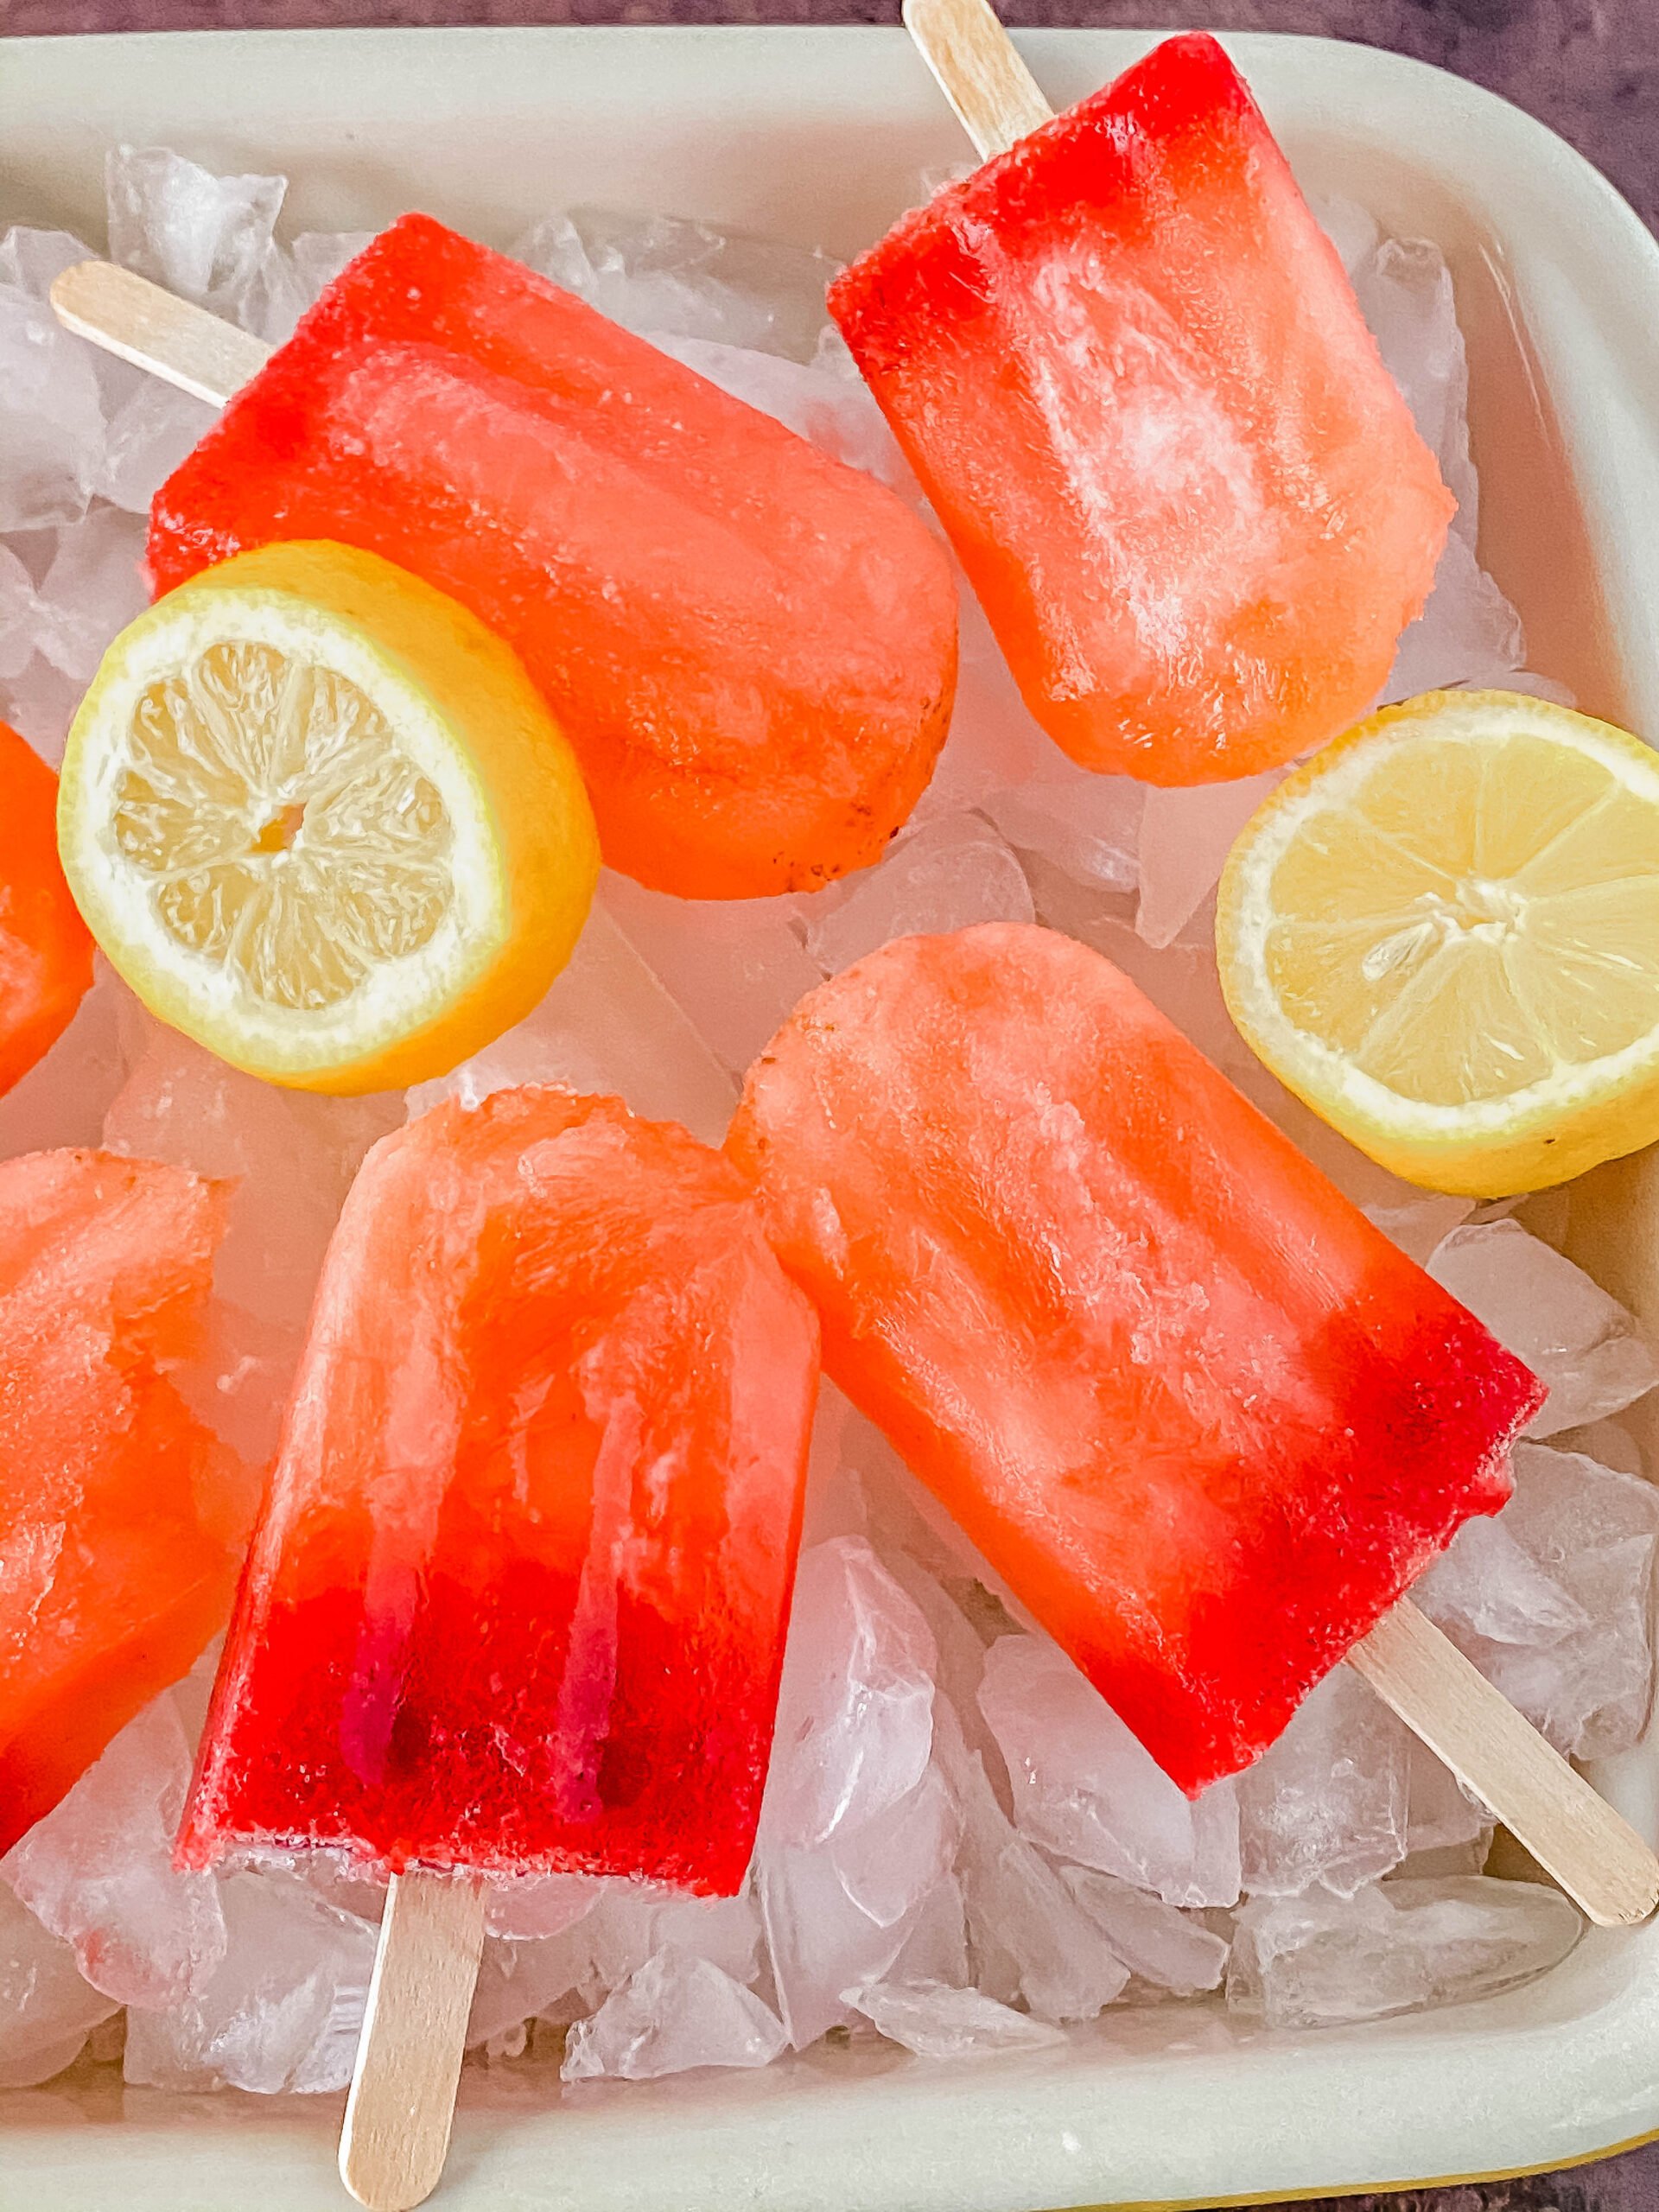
column 1443, row 934
column 320, row 819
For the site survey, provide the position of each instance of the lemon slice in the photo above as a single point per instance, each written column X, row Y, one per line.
column 1443, row 934
column 320, row 819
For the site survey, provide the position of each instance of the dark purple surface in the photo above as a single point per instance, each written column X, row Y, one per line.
column 1589, row 67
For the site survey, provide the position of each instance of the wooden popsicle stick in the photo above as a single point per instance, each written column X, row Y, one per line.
column 128, row 316
column 995, row 95
column 397, row 2133
column 1575, row 1835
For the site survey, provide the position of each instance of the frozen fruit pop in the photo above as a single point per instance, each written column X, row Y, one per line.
column 1207, row 1422
column 750, row 646
column 1130, row 371
column 46, row 949
column 518, row 1597
column 120, row 1514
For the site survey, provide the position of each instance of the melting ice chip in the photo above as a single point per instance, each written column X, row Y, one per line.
column 1573, row 1336
column 1086, row 1789
column 677, row 2012
column 1321, row 1961
column 935, row 2021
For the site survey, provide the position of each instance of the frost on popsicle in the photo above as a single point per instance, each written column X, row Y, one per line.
column 956, row 1904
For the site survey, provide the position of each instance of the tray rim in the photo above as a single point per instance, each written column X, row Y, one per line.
column 1400, row 79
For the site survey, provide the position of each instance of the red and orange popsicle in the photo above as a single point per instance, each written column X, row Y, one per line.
column 1207, row 1422
column 517, row 1600
column 750, row 646
column 120, row 1516
column 1129, row 370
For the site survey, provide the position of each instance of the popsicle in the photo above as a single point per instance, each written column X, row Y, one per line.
column 517, row 1599
column 46, row 950
column 1131, row 373
column 1207, row 1421
column 750, row 646
column 120, row 1514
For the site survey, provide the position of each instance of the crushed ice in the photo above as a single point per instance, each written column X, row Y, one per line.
column 963, row 1849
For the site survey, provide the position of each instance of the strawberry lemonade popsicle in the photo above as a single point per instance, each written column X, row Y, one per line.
column 1131, row 373
column 1207, row 1422
column 121, row 1517
column 751, row 647
column 519, row 1597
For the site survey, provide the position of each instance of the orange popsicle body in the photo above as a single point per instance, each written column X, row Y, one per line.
column 1207, row 1422
column 46, row 949
column 1131, row 375
column 117, row 1510
column 517, row 1600
column 751, row 647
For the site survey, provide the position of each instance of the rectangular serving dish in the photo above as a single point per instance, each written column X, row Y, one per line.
column 819, row 136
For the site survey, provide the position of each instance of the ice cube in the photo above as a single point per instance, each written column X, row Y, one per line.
column 284, row 2010
column 1086, row 1789
column 1185, row 836
column 293, row 1156
column 935, row 2021
column 1572, row 1591
column 1485, row 1583
column 1443, row 1815
column 936, row 1946
column 537, row 1906
column 210, row 238
column 995, row 744
column 943, row 875
column 41, row 703
column 1328, row 1803
column 521, row 1981
column 18, row 616
column 1421, row 1225
column 677, row 2012
column 91, row 591
column 663, row 274
column 818, row 1942
column 831, row 410
column 855, row 1708
column 1321, row 1960
column 610, row 1928
column 1159, row 1944
column 64, row 1098
column 1088, row 826
column 1568, row 1330
column 736, row 966
column 46, row 2010
column 607, row 1025
column 889, row 1865
column 150, row 434
column 32, row 260
column 726, row 1931
column 1027, row 1936
column 1351, row 228
column 51, row 418
column 97, row 1871
column 1468, row 632
column 318, row 257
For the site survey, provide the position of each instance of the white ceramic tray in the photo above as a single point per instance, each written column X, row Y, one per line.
column 817, row 136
